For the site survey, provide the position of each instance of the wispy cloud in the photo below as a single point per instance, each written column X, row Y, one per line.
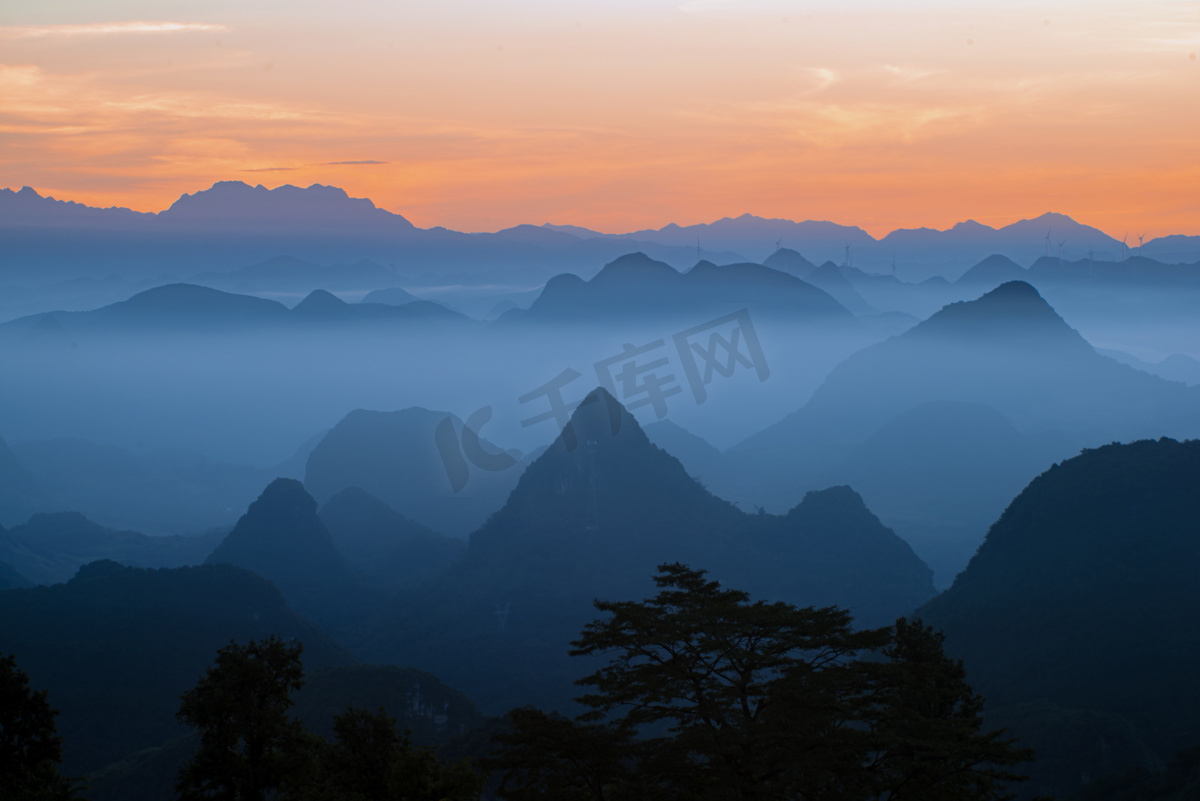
column 909, row 74
column 340, row 163
column 823, row 78
column 109, row 29
column 269, row 169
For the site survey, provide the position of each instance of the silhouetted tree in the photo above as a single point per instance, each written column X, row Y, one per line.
column 709, row 696
column 371, row 760
column 926, row 726
column 30, row 747
column 251, row 749
column 249, row 746
column 554, row 758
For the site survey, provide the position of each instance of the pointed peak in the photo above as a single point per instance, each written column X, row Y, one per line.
column 1012, row 312
column 284, row 493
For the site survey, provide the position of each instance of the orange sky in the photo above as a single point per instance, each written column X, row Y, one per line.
column 619, row 114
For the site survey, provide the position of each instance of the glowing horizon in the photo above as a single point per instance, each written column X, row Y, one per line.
column 620, row 116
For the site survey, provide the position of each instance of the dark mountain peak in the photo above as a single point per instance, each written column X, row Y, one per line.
column 634, row 267
column 599, row 474
column 283, row 497
column 1012, row 312
column 840, row 502
column 281, row 537
column 320, row 303
column 1094, row 519
column 600, row 417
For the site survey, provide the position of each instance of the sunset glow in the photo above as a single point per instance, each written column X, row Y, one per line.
column 619, row 115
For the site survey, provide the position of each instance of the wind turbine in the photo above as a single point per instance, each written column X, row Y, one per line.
column 1123, row 246
column 847, row 262
column 1060, row 251
column 1047, row 241
column 1141, row 247
column 778, row 244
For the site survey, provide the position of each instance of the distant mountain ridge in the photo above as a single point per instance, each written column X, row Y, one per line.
column 313, row 214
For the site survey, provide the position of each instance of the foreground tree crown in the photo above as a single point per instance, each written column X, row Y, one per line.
column 707, row 695
column 30, row 747
column 251, row 749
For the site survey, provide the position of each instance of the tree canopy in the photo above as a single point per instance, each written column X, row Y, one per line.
column 708, row 695
column 30, row 748
column 252, row 749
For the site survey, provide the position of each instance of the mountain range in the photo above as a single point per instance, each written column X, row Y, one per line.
column 232, row 224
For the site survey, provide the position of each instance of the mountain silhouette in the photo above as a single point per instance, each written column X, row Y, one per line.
column 396, row 457
column 697, row 456
column 1081, row 594
column 385, row 546
column 992, row 271
column 636, row 286
column 830, row 278
column 191, row 309
column 238, row 205
column 116, row 646
column 1008, row 349
column 282, row 538
column 593, row 520
column 789, row 261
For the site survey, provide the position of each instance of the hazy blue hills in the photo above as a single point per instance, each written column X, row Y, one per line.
column 198, row 310
column 1008, row 351
column 992, row 272
column 389, row 549
column 153, row 491
column 593, row 521
column 395, row 456
column 636, row 286
column 285, row 275
column 392, row 296
column 50, row 548
column 116, row 646
column 1083, row 598
column 20, row 494
column 790, row 261
column 1175, row 367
